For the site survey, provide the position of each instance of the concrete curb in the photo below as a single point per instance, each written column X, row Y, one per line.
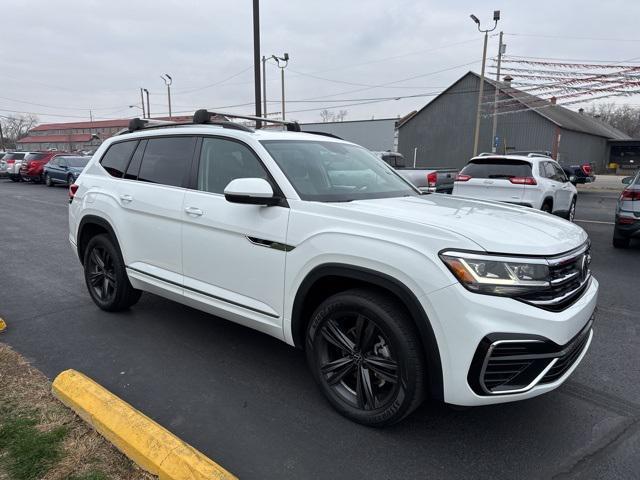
column 148, row 444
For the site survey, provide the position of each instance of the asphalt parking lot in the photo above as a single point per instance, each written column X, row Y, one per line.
column 247, row 401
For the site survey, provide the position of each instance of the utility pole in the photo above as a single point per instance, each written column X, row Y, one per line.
column 91, row 126
column 496, row 17
column 148, row 107
column 264, row 86
column 1, row 138
column 144, row 114
column 168, row 81
column 256, row 59
column 501, row 50
column 282, row 64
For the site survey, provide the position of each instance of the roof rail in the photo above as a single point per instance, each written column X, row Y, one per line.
column 204, row 116
column 324, row 134
column 542, row 155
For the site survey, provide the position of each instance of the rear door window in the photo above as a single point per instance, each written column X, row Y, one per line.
column 136, row 160
column 167, row 160
column 497, row 168
column 117, row 157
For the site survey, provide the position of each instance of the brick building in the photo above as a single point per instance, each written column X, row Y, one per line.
column 74, row 136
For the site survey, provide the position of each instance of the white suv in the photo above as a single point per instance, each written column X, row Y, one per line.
column 394, row 295
column 533, row 180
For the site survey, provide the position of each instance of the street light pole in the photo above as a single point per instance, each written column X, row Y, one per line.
column 264, row 86
column 168, row 81
column 256, row 59
column 282, row 64
column 501, row 49
column 496, row 17
column 144, row 113
column 148, row 107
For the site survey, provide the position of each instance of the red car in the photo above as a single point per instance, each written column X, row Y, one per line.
column 32, row 168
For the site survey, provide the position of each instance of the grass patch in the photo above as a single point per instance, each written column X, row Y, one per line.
column 41, row 439
column 30, row 453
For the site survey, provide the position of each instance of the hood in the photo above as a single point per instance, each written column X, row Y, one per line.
column 495, row 227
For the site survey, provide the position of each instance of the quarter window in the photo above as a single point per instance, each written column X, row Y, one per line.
column 136, row 160
column 224, row 160
column 117, row 157
column 166, row 160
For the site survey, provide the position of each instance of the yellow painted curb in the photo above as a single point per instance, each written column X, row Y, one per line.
column 148, row 444
column 3, row 325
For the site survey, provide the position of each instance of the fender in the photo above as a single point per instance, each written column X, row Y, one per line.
column 387, row 282
column 94, row 220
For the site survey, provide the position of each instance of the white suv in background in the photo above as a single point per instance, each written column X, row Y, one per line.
column 393, row 294
column 533, row 180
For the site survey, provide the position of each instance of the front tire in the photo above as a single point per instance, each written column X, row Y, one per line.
column 572, row 210
column 70, row 180
column 47, row 181
column 364, row 353
column 106, row 277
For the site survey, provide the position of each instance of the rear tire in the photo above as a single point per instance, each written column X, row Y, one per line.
column 47, row 181
column 70, row 180
column 546, row 207
column 365, row 355
column 14, row 179
column 621, row 242
column 106, row 277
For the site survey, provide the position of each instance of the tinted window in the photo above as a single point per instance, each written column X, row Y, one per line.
column 336, row 172
column 166, row 160
column 54, row 161
column 35, row 156
column 558, row 173
column 224, row 160
column 117, row 157
column 136, row 160
column 497, row 168
column 74, row 161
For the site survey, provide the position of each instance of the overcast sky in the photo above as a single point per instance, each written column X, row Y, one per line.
column 65, row 57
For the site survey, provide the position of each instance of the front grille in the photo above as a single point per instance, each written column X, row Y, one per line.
column 570, row 277
column 510, row 364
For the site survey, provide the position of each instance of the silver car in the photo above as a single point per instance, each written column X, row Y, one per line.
column 627, row 223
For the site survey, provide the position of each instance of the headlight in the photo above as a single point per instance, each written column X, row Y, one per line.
column 497, row 275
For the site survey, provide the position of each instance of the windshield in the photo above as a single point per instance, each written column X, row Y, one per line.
column 335, row 172
column 35, row 156
column 76, row 161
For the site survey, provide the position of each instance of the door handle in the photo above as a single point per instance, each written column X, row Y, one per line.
column 196, row 212
column 126, row 198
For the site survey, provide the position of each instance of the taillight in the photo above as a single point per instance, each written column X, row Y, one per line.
column 462, row 178
column 630, row 195
column 73, row 188
column 523, row 180
column 432, row 179
column 626, row 221
column 11, row 161
column 586, row 168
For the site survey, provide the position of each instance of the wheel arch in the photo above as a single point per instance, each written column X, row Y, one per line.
column 90, row 226
column 327, row 279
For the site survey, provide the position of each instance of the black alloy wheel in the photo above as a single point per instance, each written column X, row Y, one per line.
column 47, row 181
column 546, row 207
column 101, row 274
column 70, row 180
column 365, row 355
column 106, row 277
column 572, row 210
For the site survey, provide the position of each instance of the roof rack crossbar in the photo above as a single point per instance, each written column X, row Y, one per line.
column 204, row 116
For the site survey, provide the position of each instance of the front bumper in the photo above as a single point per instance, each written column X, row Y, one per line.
column 463, row 320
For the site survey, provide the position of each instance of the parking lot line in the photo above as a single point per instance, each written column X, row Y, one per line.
column 593, row 221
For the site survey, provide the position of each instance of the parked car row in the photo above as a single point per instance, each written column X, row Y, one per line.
column 429, row 180
column 42, row 167
column 627, row 220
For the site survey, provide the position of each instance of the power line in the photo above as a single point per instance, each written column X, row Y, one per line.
column 569, row 37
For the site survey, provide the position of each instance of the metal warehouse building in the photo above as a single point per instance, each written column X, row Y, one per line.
column 442, row 132
column 376, row 135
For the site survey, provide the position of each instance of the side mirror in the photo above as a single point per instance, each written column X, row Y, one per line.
column 627, row 180
column 252, row 191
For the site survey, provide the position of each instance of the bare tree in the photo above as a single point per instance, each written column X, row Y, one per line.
column 326, row 116
column 623, row 117
column 329, row 116
column 15, row 127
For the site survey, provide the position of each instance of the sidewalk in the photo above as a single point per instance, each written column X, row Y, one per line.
column 603, row 183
